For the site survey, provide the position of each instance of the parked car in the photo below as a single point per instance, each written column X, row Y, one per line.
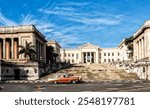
column 65, row 78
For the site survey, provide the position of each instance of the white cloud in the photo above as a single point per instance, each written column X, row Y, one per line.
column 6, row 21
column 28, row 20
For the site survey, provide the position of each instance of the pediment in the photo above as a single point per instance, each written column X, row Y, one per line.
column 88, row 45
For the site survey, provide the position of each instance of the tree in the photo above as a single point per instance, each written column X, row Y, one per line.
column 129, row 44
column 55, row 55
column 28, row 51
column 51, row 55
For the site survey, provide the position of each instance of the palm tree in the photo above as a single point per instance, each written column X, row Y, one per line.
column 28, row 51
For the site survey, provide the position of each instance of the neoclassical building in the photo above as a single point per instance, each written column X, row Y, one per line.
column 89, row 53
column 13, row 36
column 141, row 43
column 12, row 65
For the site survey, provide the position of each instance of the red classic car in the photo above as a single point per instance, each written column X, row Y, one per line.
column 65, row 78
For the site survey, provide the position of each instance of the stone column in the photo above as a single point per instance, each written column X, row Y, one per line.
column 97, row 57
column 40, row 51
column 94, row 57
column 143, row 48
column 37, row 55
column 12, row 48
column 82, row 57
column 20, row 43
column 7, row 50
column 86, row 57
column 0, row 50
column 44, row 53
column 90, row 57
column 139, row 49
column 137, row 52
column 15, row 50
column 4, row 48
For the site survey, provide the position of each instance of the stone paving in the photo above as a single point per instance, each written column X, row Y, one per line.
column 97, row 72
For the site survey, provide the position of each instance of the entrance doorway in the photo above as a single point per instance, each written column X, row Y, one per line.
column 17, row 74
column 88, row 57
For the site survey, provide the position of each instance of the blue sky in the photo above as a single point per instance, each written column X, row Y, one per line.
column 75, row 22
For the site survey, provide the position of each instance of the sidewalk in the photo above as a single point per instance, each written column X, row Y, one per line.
column 25, row 81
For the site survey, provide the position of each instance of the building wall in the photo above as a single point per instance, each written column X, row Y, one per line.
column 109, row 55
column 93, row 52
column 12, row 37
column 71, row 55
column 142, row 51
column 26, row 71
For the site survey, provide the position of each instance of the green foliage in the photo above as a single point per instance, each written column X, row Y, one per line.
column 51, row 55
column 129, row 44
column 28, row 51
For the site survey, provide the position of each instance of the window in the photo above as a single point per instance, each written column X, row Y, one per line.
column 72, row 55
column 104, row 60
column 112, row 60
column 118, row 54
column 68, row 55
column 104, row 54
column 65, row 54
column 72, row 60
column 112, row 54
column 108, row 60
column 77, row 56
column 108, row 54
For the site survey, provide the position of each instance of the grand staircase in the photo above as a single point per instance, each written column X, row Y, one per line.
column 96, row 72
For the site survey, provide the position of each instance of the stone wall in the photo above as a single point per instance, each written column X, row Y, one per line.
column 20, row 71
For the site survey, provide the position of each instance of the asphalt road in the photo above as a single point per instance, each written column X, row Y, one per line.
column 80, row 87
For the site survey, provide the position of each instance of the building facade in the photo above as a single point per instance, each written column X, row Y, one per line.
column 141, row 43
column 13, row 36
column 89, row 53
column 14, row 66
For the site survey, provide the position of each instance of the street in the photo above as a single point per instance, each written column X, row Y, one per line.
column 80, row 87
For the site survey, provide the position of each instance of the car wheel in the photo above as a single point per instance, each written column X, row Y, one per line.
column 55, row 82
column 74, row 82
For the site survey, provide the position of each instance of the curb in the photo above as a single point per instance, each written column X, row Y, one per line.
column 115, row 81
column 86, row 81
column 36, row 81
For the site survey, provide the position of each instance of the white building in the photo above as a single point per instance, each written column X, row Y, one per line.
column 89, row 53
column 141, row 54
